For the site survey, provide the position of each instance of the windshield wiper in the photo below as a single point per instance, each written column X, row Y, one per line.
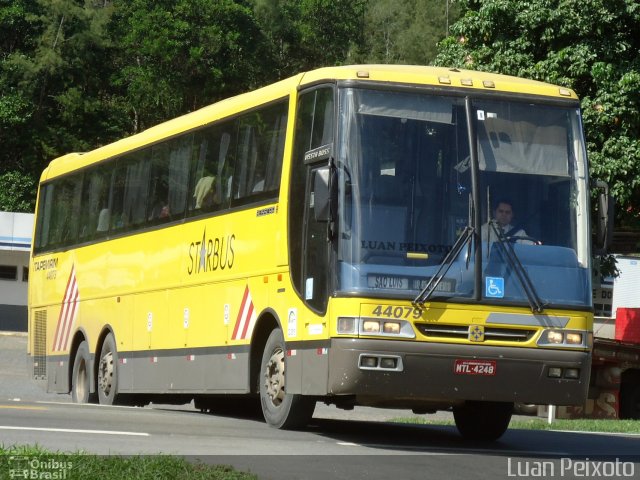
column 509, row 253
column 434, row 281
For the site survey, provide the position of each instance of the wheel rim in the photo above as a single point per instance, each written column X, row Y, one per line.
column 106, row 373
column 274, row 377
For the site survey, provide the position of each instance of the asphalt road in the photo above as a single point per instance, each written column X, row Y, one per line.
column 338, row 445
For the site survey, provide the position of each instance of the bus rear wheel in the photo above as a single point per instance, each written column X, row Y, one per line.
column 80, row 378
column 281, row 409
column 108, row 371
column 486, row 421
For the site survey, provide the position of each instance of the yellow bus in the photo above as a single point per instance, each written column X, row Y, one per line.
column 333, row 237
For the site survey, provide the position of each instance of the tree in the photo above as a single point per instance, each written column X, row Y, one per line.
column 306, row 34
column 180, row 55
column 17, row 192
column 54, row 73
column 591, row 46
column 405, row 31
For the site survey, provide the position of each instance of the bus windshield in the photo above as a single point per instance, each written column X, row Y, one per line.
column 407, row 190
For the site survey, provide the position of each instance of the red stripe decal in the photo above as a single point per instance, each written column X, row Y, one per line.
column 247, row 320
column 239, row 319
column 68, row 312
column 62, row 310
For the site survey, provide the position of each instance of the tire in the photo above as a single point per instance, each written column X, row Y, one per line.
column 485, row 421
column 81, row 378
column 280, row 409
column 108, row 372
column 630, row 400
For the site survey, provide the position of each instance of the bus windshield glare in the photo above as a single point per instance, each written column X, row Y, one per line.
column 407, row 194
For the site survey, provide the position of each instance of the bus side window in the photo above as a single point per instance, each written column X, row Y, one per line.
column 64, row 221
column 247, row 156
column 272, row 145
column 259, row 154
column 211, row 158
column 169, row 179
column 158, row 204
column 95, row 203
column 43, row 225
column 131, row 191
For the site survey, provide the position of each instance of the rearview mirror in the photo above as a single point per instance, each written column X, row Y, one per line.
column 604, row 222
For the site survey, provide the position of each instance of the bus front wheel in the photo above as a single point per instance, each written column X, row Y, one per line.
column 281, row 409
column 108, row 371
column 80, row 378
column 486, row 421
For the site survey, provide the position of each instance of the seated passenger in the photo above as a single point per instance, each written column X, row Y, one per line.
column 103, row 220
column 204, row 192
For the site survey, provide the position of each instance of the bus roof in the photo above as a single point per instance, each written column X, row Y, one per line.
column 443, row 76
column 407, row 74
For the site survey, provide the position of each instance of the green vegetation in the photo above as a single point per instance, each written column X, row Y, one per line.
column 75, row 75
column 578, row 425
column 80, row 466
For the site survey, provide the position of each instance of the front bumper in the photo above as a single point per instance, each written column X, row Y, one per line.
column 428, row 374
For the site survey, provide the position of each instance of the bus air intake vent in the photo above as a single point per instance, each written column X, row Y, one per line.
column 461, row 332
column 40, row 345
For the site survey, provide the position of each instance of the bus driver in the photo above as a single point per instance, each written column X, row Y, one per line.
column 502, row 217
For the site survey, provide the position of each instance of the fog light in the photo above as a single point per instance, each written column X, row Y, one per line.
column 573, row 373
column 371, row 326
column 555, row 337
column 574, row 338
column 368, row 362
column 390, row 363
column 346, row 325
column 555, row 372
column 391, row 327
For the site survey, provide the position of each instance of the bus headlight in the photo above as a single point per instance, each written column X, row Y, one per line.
column 391, row 327
column 563, row 338
column 347, row 325
column 574, row 338
column 374, row 327
column 386, row 328
column 555, row 337
column 371, row 326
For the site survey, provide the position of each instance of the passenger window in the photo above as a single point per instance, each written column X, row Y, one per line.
column 169, row 180
column 261, row 139
column 131, row 191
column 212, row 161
column 95, row 212
column 65, row 210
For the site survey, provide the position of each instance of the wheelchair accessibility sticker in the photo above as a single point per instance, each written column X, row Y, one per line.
column 494, row 287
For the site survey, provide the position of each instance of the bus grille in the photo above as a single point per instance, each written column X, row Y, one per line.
column 462, row 332
column 40, row 345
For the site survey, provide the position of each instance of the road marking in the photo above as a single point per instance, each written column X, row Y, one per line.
column 86, row 405
column 72, row 430
column 23, row 407
column 620, row 434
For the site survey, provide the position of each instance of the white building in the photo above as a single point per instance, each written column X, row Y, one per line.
column 15, row 243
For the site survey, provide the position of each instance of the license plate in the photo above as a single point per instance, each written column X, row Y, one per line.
column 475, row 367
